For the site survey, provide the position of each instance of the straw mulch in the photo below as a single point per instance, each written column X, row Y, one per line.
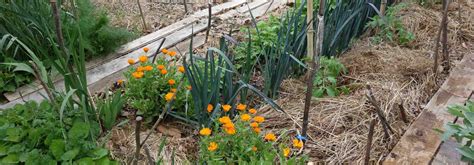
column 125, row 13
column 399, row 77
column 339, row 126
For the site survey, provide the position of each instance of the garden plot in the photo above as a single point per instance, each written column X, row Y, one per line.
column 104, row 72
column 194, row 109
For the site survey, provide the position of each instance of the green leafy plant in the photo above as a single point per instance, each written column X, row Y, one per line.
column 326, row 79
column 390, row 27
column 31, row 22
column 241, row 142
column 151, row 85
column 463, row 133
column 41, row 134
column 109, row 108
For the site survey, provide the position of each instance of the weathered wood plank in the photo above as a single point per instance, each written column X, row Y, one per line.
column 420, row 142
column 447, row 153
column 138, row 43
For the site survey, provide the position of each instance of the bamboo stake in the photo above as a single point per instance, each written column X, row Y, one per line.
column 369, row 141
column 314, row 56
column 383, row 5
column 145, row 28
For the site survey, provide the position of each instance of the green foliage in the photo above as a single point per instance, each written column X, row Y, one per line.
column 326, row 78
column 34, row 134
column 32, row 23
column 390, row 27
column 463, row 133
column 267, row 33
column 150, row 92
column 215, row 81
column 109, row 108
column 243, row 146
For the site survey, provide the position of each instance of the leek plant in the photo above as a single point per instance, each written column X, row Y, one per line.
column 215, row 82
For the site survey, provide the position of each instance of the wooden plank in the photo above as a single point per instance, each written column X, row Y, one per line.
column 447, row 153
column 137, row 44
column 107, row 81
column 420, row 142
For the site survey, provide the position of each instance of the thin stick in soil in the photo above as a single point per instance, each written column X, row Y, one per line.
column 386, row 127
column 444, row 40
column 369, row 141
column 142, row 15
column 403, row 114
column 138, row 123
column 158, row 50
column 209, row 21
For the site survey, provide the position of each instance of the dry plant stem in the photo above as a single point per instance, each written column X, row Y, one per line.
column 142, row 15
column 38, row 77
column 138, row 123
column 438, row 38
column 403, row 113
column 446, row 61
column 369, row 141
column 373, row 101
column 158, row 50
column 209, row 21
column 57, row 23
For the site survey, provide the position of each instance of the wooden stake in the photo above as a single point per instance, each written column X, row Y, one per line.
column 446, row 60
column 369, row 141
column 314, row 56
column 185, row 7
column 209, row 21
column 145, row 27
column 138, row 123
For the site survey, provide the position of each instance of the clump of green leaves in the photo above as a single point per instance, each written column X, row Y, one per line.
column 109, row 108
column 265, row 37
column 41, row 134
column 390, row 27
column 150, row 86
column 31, row 22
column 463, row 133
column 326, row 78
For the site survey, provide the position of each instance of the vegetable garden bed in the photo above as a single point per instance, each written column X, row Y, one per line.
column 176, row 96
